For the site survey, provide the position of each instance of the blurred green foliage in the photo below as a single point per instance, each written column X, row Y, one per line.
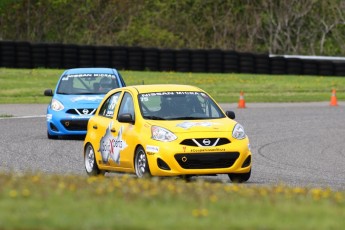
column 303, row 27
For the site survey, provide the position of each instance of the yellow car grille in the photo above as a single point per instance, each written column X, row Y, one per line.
column 206, row 160
column 205, row 142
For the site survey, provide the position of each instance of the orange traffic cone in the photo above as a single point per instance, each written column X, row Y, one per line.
column 333, row 99
column 241, row 102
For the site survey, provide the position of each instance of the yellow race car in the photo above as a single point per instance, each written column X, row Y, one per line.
column 165, row 130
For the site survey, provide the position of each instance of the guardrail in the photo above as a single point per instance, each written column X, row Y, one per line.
column 63, row 56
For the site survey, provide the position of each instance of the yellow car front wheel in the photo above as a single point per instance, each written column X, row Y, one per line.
column 239, row 177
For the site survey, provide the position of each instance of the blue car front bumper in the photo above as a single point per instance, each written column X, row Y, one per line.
column 61, row 123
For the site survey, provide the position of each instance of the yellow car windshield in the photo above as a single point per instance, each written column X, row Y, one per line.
column 174, row 105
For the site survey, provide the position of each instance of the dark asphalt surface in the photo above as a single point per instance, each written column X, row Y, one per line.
column 296, row 144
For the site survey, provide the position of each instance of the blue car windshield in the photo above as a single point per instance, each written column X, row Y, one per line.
column 87, row 83
column 178, row 106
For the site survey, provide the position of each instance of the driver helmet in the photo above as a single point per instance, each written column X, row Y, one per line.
column 106, row 83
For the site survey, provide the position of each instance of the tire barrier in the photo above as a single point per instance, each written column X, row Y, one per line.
column 310, row 67
column 198, row 61
column 262, row 63
column 119, row 57
column 54, row 56
column 136, row 58
column 278, row 65
column 182, row 62
column 21, row 54
column 151, row 59
column 214, row 61
column 102, row 56
column 39, row 55
column 167, row 60
column 246, row 63
column 8, row 54
column 294, row 66
column 339, row 69
column 230, row 62
column 326, row 68
column 86, row 56
column 70, row 54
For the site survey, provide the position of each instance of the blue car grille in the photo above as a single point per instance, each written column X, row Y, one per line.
column 206, row 160
column 82, row 111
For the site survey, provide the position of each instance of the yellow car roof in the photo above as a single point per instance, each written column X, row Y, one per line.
column 163, row 87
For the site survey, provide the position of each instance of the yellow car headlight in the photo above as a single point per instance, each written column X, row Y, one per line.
column 161, row 134
column 56, row 105
column 238, row 132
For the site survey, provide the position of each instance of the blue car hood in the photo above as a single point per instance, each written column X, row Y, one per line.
column 80, row 101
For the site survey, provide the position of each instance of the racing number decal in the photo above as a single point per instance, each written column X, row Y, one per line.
column 111, row 147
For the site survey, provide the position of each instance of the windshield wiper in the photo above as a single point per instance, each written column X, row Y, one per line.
column 188, row 118
column 154, row 118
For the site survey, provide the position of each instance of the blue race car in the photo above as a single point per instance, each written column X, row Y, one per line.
column 77, row 96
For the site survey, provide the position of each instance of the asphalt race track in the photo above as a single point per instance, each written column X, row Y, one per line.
column 295, row 144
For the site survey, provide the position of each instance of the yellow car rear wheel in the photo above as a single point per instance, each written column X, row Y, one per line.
column 91, row 166
column 141, row 164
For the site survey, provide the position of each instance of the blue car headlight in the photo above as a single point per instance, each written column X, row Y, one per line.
column 238, row 132
column 56, row 105
column 161, row 134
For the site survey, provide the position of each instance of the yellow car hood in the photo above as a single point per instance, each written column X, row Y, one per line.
column 178, row 126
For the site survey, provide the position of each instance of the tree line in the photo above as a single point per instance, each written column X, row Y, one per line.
column 300, row 27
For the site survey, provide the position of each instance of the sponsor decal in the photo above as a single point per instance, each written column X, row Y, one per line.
column 88, row 75
column 111, row 107
column 190, row 124
column 78, row 117
column 87, row 98
column 110, row 146
column 207, row 150
column 142, row 96
column 152, row 149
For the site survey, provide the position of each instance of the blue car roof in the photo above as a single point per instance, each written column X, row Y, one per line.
column 91, row 70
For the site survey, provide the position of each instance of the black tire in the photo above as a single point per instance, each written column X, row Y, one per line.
column 141, row 165
column 52, row 137
column 186, row 178
column 90, row 163
column 239, row 177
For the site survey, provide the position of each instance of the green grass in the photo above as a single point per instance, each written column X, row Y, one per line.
column 27, row 85
column 35, row 201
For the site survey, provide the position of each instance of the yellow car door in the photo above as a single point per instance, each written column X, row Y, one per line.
column 101, row 126
column 125, row 136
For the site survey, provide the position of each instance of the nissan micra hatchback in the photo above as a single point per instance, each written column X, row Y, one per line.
column 76, row 98
column 165, row 130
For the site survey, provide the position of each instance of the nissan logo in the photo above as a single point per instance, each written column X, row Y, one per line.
column 206, row 142
column 85, row 111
